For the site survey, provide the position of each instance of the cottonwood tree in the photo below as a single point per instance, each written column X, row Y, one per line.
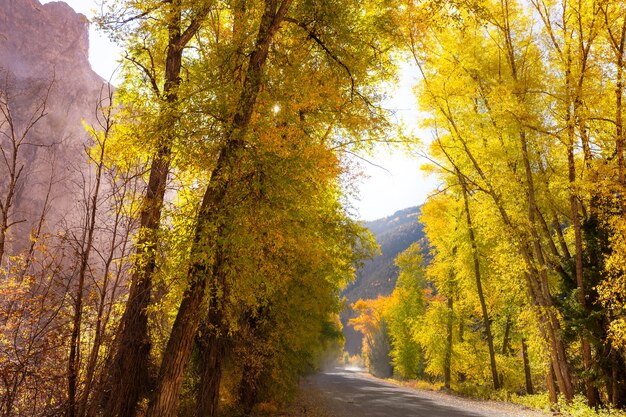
column 156, row 35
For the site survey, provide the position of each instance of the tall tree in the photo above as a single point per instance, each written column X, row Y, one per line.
column 177, row 23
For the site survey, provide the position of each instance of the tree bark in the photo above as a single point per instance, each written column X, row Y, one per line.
column 212, row 349
column 527, row 374
column 552, row 394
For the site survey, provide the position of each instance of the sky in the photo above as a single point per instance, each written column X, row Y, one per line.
column 392, row 179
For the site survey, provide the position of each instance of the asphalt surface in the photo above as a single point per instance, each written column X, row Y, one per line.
column 354, row 393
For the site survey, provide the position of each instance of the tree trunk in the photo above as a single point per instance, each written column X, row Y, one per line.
column 128, row 374
column 447, row 364
column 618, row 379
column 552, row 394
column 527, row 374
column 212, row 349
column 165, row 402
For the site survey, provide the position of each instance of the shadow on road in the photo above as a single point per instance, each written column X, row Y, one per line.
column 351, row 393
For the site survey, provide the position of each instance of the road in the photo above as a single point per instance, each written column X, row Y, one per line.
column 352, row 393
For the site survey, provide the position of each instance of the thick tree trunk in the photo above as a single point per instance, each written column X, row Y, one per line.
column 552, row 394
column 212, row 349
column 128, row 374
column 165, row 402
column 618, row 379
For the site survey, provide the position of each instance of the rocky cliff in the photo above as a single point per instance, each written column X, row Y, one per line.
column 47, row 90
column 37, row 38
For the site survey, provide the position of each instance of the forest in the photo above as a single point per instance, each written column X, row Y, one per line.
column 213, row 229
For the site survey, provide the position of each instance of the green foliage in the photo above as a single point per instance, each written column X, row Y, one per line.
column 408, row 302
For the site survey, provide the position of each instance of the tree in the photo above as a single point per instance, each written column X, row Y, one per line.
column 407, row 302
column 171, row 25
column 372, row 324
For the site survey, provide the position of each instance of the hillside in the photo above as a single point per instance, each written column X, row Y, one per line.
column 378, row 276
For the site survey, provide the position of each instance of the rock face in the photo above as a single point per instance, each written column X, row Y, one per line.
column 44, row 71
column 37, row 38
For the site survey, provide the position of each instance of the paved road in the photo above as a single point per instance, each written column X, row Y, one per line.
column 353, row 393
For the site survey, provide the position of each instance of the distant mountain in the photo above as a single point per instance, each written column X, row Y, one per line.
column 378, row 276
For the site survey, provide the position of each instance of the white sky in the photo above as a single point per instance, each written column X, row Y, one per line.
column 399, row 185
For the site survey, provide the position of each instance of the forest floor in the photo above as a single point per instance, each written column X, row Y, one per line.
column 349, row 393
